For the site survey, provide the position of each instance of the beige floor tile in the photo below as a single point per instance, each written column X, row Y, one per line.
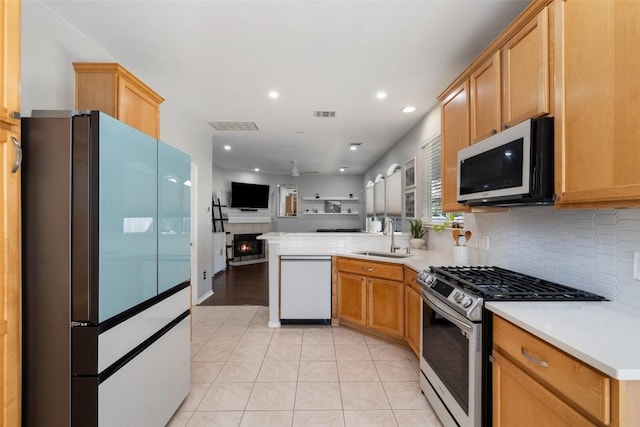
column 379, row 418
column 387, row 352
column 360, row 370
column 226, row 397
column 416, row 418
column 216, row 419
column 318, row 419
column 343, row 335
column 272, row 397
column 374, row 340
column 283, row 352
column 318, row 335
column 205, row 372
column 318, row 396
column 239, row 371
column 195, row 349
column 287, row 337
column 278, row 371
column 318, row 371
column 256, row 338
column 318, row 352
column 180, row 419
column 214, row 353
column 396, row 370
column 363, row 395
column 352, row 352
column 405, row 395
column 266, row 419
column 193, row 399
column 248, row 352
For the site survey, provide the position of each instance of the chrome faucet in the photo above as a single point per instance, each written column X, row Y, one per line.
column 391, row 227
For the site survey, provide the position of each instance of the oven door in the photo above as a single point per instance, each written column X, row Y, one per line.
column 451, row 355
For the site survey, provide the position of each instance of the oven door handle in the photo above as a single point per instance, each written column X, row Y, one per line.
column 441, row 309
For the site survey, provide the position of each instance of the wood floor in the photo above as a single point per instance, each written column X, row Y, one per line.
column 241, row 285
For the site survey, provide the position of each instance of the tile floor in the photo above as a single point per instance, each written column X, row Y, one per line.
column 246, row 374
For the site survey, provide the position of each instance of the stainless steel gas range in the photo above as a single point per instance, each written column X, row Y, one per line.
column 456, row 334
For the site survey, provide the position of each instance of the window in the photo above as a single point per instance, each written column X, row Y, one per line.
column 431, row 181
column 432, row 184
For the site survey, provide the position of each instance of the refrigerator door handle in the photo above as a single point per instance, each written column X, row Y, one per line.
column 75, row 324
column 16, row 166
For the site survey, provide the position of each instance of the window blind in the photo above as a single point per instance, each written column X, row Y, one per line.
column 432, row 180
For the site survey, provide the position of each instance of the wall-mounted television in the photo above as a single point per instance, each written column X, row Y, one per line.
column 249, row 196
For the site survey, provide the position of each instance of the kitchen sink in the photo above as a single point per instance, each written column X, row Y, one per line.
column 383, row 254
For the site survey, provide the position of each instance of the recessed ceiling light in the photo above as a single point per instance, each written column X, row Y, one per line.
column 273, row 94
column 256, row 169
column 353, row 146
column 381, row 95
column 408, row 109
column 227, row 147
column 343, row 168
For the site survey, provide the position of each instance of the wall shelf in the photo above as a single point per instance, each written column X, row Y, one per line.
column 342, row 199
column 331, row 213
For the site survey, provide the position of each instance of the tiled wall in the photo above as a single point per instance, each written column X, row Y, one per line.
column 587, row 249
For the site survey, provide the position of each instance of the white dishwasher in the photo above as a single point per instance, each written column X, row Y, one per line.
column 305, row 289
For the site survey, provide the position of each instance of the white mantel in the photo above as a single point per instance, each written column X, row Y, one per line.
column 248, row 218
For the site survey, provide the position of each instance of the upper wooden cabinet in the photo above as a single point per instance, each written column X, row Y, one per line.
column 484, row 85
column 525, row 72
column 455, row 136
column 598, row 103
column 10, row 54
column 110, row 88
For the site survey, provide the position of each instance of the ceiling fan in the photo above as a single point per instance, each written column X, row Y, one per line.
column 296, row 172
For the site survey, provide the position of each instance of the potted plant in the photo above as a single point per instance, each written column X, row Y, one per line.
column 417, row 233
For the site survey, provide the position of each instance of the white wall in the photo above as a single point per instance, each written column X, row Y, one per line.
column 49, row 46
column 308, row 186
column 406, row 148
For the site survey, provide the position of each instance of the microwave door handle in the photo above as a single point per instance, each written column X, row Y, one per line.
column 437, row 307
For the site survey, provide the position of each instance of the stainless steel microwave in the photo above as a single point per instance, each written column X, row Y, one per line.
column 513, row 167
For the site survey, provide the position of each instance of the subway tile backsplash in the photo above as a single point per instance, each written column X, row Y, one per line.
column 587, row 249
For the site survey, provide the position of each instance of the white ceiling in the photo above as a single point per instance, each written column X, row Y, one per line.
column 217, row 61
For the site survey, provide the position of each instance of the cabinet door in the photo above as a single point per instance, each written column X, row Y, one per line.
column 412, row 319
column 455, row 136
column 600, row 88
column 485, row 99
column 519, row 400
column 352, row 298
column 10, row 286
column 10, row 57
column 385, row 306
column 525, row 62
column 136, row 109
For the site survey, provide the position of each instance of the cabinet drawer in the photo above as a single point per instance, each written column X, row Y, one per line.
column 577, row 382
column 370, row 268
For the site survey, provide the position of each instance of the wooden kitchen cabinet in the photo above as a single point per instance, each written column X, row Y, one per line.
column 597, row 101
column 525, row 72
column 111, row 88
column 455, row 136
column 10, row 225
column 412, row 310
column 485, row 102
column 371, row 294
column 535, row 383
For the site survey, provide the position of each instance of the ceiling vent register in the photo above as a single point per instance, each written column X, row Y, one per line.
column 324, row 114
column 234, row 125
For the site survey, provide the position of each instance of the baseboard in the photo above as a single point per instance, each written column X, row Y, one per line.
column 204, row 297
column 249, row 261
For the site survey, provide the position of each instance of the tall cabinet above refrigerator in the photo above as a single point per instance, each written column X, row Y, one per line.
column 106, row 281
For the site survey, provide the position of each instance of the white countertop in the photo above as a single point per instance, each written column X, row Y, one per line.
column 605, row 335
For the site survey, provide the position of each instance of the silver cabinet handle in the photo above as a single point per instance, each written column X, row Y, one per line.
column 533, row 359
column 16, row 166
column 369, row 269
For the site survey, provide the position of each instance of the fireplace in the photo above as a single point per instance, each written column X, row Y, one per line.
column 247, row 247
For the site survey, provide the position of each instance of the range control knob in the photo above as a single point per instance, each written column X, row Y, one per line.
column 458, row 296
column 429, row 279
column 466, row 302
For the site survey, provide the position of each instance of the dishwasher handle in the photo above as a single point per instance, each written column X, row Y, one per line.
column 305, row 257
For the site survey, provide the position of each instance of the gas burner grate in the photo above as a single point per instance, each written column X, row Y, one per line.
column 495, row 283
